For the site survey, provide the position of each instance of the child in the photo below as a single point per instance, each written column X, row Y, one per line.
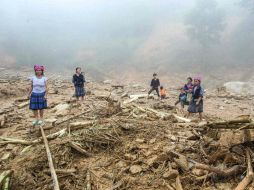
column 189, row 86
column 162, row 92
column 188, row 89
column 196, row 104
column 79, row 83
column 155, row 83
column 182, row 98
column 38, row 94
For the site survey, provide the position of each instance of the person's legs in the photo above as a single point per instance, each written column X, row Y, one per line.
column 150, row 91
column 36, row 117
column 177, row 102
column 182, row 104
column 200, row 116
column 188, row 115
column 41, row 114
column 157, row 91
column 40, row 121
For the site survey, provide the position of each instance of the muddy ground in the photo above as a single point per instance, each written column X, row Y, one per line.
column 126, row 145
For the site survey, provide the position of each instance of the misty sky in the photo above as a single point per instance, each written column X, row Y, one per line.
column 110, row 33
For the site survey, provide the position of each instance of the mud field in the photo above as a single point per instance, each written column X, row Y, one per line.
column 115, row 140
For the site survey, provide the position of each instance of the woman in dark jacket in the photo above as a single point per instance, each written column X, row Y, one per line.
column 79, row 83
column 196, row 104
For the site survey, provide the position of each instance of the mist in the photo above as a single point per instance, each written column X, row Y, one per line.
column 127, row 37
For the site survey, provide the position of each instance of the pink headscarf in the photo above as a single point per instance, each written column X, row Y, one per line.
column 38, row 68
column 197, row 78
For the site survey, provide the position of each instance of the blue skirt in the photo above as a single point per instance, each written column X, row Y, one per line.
column 79, row 91
column 193, row 108
column 38, row 101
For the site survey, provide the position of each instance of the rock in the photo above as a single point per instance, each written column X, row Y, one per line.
column 50, row 120
column 143, row 146
column 172, row 174
column 10, row 147
column 221, row 108
column 121, row 164
column 130, row 157
column 227, row 101
column 202, row 123
column 182, row 163
column 6, row 156
column 61, row 109
column 107, row 81
column 152, row 141
column 88, row 92
column 147, row 153
column 140, row 140
column 198, row 172
column 109, row 176
column 173, row 138
column 152, row 160
column 135, row 169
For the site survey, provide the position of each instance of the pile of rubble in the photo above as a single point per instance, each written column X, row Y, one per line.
column 118, row 139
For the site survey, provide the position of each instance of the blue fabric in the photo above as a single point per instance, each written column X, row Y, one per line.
column 38, row 101
column 188, row 86
column 183, row 97
column 79, row 91
column 193, row 108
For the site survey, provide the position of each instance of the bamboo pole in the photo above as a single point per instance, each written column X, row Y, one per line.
column 51, row 165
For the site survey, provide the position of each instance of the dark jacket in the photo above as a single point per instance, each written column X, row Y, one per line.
column 197, row 92
column 78, row 80
column 155, row 83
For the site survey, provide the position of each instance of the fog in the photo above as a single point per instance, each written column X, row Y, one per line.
column 128, row 36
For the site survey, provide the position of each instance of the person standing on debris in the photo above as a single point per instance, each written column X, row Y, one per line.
column 79, row 84
column 38, row 94
column 182, row 98
column 155, row 84
column 196, row 104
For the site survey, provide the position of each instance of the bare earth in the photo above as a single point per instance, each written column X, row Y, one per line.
column 136, row 145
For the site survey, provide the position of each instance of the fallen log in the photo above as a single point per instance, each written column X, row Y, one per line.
column 79, row 125
column 223, row 173
column 51, row 165
column 129, row 101
column 7, row 140
column 88, row 180
column 182, row 118
column 26, row 149
column 233, row 126
column 235, row 121
column 5, row 175
column 140, row 96
column 55, row 135
column 118, row 86
column 249, row 177
column 62, row 171
column 162, row 115
column 178, row 183
column 70, row 118
column 7, row 184
column 77, row 147
column 24, row 104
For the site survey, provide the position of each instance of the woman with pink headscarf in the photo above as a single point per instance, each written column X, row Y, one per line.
column 38, row 94
column 196, row 104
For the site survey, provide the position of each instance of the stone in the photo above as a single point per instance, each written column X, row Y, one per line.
column 135, row 169
column 172, row 174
